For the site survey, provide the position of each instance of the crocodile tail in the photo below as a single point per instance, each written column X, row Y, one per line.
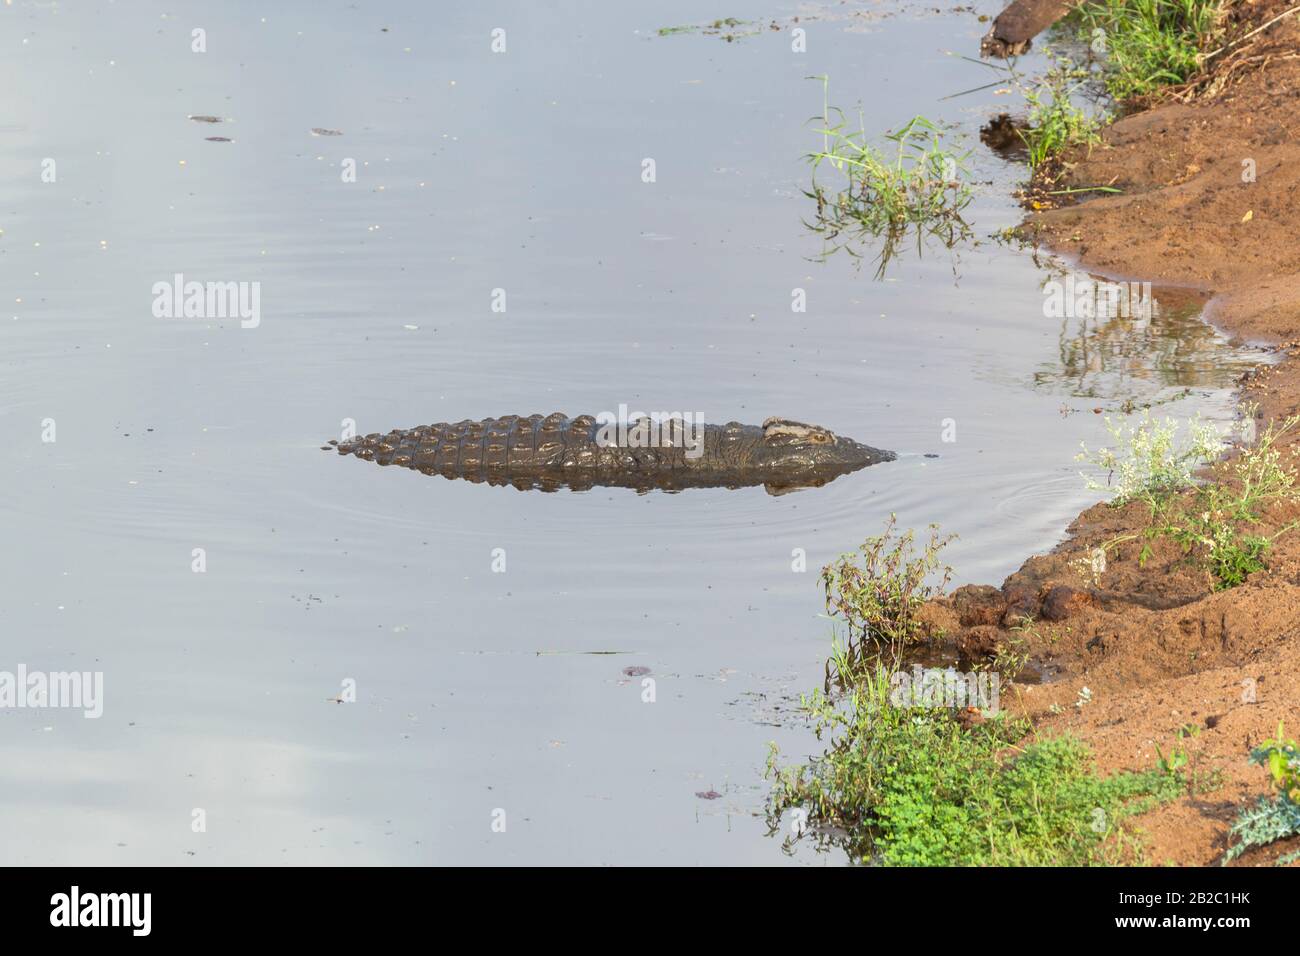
column 511, row 449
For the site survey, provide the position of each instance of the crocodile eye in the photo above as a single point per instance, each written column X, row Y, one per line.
column 781, row 431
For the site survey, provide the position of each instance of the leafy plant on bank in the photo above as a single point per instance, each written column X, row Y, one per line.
column 1055, row 122
column 1276, row 816
column 879, row 590
column 1152, row 459
column 1152, row 464
column 904, row 781
column 1187, row 765
column 911, row 786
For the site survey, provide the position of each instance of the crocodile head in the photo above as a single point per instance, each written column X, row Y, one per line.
column 799, row 455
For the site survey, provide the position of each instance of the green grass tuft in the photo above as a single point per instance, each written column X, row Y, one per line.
column 1055, row 122
column 1149, row 43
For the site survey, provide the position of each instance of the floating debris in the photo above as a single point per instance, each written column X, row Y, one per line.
column 636, row 671
column 708, row 794
column 724, row 28
column 548, row 652
column 198, row 118
column 218, row 139
column 322, row 131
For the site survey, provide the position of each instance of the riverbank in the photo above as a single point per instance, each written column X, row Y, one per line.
column 1208, row 200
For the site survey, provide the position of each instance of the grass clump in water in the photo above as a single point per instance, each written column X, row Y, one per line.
column 1150, row 44
column 914, row 185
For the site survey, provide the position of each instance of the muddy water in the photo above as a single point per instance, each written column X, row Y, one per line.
column 477, row 690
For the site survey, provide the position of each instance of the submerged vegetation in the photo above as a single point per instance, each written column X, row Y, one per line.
column 1214, row 520
column 729, row 28
column 1277, row 816
column 906, row 780
column 916, row 186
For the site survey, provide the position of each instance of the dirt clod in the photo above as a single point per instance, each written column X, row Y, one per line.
column 1063, row 602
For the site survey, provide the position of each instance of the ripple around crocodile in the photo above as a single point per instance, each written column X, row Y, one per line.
column 554, row 451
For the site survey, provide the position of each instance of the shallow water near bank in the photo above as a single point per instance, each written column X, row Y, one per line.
column 478, row 690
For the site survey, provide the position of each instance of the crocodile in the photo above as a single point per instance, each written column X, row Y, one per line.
column 549, row 452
